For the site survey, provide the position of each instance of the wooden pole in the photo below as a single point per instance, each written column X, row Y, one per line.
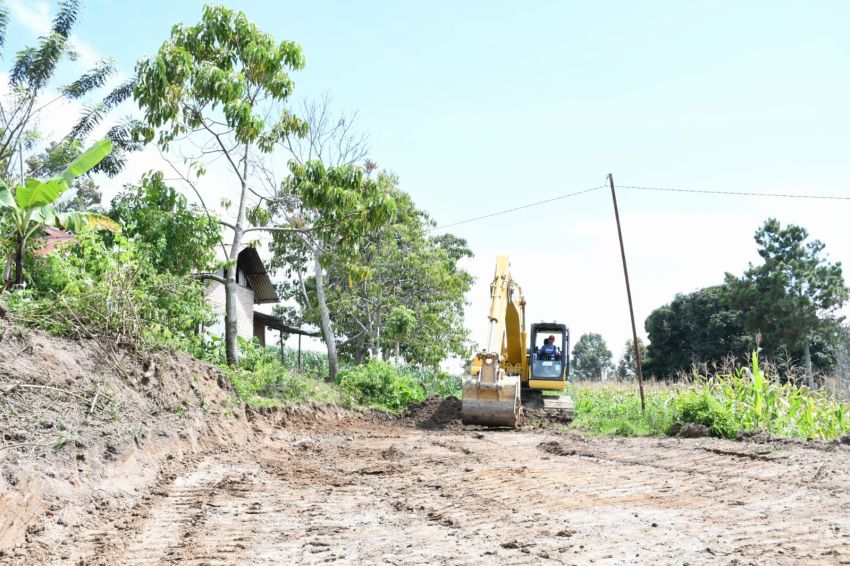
column 282, row 360
column 629, row 294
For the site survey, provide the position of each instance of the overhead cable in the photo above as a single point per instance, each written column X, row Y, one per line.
column 736, row 193
column 516, row 208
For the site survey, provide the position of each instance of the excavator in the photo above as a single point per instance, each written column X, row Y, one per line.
column 514, row 369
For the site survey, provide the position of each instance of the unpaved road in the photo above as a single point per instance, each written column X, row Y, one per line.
column 384, row 493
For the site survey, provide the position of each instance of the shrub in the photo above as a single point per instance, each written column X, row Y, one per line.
column 380, row 384
column 261, row 380
column 93, row 289
column 701, row 407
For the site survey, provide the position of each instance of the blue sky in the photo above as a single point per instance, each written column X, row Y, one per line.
column 480, row 106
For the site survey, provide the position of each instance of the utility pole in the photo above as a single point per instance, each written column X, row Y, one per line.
column 629, row 294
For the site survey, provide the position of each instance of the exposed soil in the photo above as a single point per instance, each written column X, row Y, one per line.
column 314, row 485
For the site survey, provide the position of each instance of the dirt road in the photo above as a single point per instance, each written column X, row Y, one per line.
column 386, row 493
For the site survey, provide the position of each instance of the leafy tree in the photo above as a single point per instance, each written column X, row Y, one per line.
column 793, row 297
column 627, row 366
column 31, row 92
column 179, row 238
column 400, row 324
column 405, row 266
column 325, row 214
column 591, row 357
column 30, row 206
column 695, row 328
column 223, row 84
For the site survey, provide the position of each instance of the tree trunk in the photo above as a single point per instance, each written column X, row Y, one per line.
column 19, row 263
column 807, row 361
column 397, row 348
column 324, row 314
column 231, row 315
column 360, row 350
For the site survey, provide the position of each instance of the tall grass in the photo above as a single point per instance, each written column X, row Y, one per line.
column 728, row 404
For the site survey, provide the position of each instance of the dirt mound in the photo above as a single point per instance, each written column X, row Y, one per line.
column 435, row 413
column 689, row 430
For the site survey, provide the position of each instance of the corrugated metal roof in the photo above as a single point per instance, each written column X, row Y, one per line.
column 276, row 323
column 252, row 266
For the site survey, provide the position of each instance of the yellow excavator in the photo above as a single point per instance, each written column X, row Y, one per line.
column 514, row 369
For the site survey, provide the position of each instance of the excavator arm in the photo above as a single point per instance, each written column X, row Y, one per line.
column 491, row 393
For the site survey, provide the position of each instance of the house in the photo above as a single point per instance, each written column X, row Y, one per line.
column 253, row 287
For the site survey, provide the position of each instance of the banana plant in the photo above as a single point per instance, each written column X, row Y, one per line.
column 30, row 206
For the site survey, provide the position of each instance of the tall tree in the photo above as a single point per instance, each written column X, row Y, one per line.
column 591, row 357
column 793, row 297
column 32, row 92
column 223, row 83
column 404, row 266
column 627, row 366
column 695, row 328
column 328, row 212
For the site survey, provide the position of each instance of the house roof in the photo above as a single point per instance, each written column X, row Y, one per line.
column 276, row 323
column 52, row 238
column 252, row 266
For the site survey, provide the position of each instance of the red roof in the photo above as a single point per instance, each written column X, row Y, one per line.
column 51, row 239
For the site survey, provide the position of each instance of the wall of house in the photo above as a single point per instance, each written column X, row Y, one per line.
column 244, row 308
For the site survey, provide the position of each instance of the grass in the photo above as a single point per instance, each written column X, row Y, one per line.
column 613, row 409
column 727, row 404
column 265, row 380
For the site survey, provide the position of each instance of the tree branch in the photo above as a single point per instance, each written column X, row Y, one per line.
column 210, row 277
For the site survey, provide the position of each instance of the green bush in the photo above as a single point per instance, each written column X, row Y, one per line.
column 433, row 382
column 381, row 385
column 260, row 379
column 701, row 407
column 91, row 288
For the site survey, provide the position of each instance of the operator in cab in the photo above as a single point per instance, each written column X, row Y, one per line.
column 548, row 351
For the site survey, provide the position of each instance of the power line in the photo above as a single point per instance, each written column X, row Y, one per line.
column 516, row 208
column 736, row 193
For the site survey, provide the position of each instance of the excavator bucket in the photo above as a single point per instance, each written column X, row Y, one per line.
column 489, row 396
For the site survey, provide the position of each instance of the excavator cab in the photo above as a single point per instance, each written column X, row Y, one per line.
column 550, row 360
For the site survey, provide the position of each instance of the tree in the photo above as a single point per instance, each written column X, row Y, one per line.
column 405, row 266
column 792, row 299
column 30, row 206
column 329, row 211
column 222, row 83
column 695, row 328
column 31, row 92
column 627, row 366
column 591, row 357
column 400, row 323
column 179, row 238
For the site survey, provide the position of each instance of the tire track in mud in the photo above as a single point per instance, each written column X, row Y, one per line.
column 382, row 494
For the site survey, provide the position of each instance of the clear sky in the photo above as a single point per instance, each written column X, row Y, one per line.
column 481, row 106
